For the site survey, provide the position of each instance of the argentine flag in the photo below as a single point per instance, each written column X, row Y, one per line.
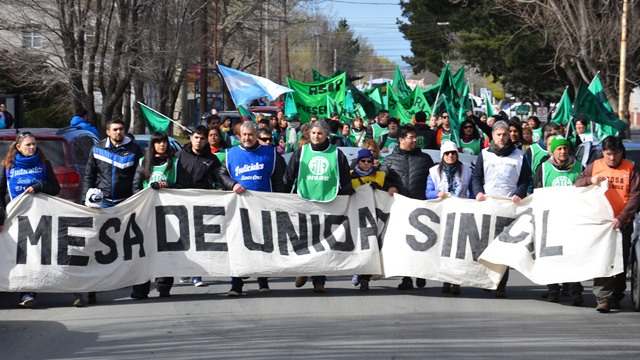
column 245, row 88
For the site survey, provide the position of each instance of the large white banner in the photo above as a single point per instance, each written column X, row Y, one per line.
column 51, row 245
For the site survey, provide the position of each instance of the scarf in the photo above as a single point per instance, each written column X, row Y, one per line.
column 503, row 151
column 361, row 172
column 450, row 172
column 26, row 162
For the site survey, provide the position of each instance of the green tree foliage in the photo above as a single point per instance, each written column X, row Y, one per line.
column 485, row 38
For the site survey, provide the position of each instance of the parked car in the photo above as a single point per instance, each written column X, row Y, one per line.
column 68, row 149
column 588, row 152
column 143, row 142
column 234, row 115
column 265, row 110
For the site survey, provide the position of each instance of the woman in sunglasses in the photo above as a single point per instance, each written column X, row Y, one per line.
column 449, row 178
column 365, row 173
column 470, row 141
column 25, row 169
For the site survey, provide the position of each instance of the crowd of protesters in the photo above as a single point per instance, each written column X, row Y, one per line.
column 513, row 158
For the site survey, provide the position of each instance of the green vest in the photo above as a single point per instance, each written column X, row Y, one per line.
column 471, row 148
column 161, row 173
column 390, row 143
column 444, row 137
column 536, row 135
column 221, row 155
column 554, row 177
column 318, row 174
column 537, row 153
column 357, row 138
column 378, row 131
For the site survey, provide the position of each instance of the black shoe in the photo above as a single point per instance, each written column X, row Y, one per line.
column 406, row 284
column 139, row 296
column 164, row 294
column 421, row 282
column 235, row 291
column 263, row 285
column 91, row 298
column 576, row 300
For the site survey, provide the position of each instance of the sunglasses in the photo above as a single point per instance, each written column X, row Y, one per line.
column 467, row 127
column 451, row 153
column 366, row 161
column 445, row 116
column 266, row 139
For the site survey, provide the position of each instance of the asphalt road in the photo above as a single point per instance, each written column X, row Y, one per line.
column 384, row 323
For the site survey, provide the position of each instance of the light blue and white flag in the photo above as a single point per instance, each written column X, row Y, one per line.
column 246, row 87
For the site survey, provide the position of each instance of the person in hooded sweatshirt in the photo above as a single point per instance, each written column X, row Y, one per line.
column 80, row 120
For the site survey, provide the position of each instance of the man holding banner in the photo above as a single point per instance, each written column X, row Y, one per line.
column 501, row 171
column 256, row 167
column 407, row 169
column 624, row 196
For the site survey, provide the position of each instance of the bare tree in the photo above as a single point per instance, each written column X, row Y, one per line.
column 586, row 35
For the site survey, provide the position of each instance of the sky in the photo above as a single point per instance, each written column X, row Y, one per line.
column 375, row 20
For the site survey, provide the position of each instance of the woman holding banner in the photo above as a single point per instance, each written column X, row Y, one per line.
column 449, row 178
column 157, row 169
column 25, row 169
column 318, row 171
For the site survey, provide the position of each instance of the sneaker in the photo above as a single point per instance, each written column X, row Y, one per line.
column 263, row 285
column 406, row 284
column 576, row 299
column 455, row 290
column 78, row 302
column 300, row 281
column 235, row 291
column 355, row 280
column 185, row 280
column 553, row 297
column 603, row 306
column 139, row 296
column 421, row 282
column 197, row 281
column 501, row 292
column 446, row 289
column 91, row 298
column 364, row 285
column 27, row 301
column 319, row 289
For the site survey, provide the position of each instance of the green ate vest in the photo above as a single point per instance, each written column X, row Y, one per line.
column 161, row 173
column 554, row 177
column 537, row 153
column 318, row 174
column 390, row 143
column 444, row 137
column 221, row 155
column 378, row 131
column 357, row 138
column 471, row 148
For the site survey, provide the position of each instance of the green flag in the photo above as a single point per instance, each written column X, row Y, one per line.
column 464, row 103
column 155, row 121
column 311, row 99
column 489, row 107
column 562, row 115
column 289, row 104
column 317, row 77
column 446, row 88
column 244, row 111
column 370, row 106
column 458, row 81
column 400, row 87
column 597, row 89
column 405, row 108
column 454, row 120
column 430, row 93
column 587, row 106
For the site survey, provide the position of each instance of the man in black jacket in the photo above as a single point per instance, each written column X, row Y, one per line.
column 406, row 172
column 238, row 175
column 111, row 168
column 196, row 169
column 426, row 138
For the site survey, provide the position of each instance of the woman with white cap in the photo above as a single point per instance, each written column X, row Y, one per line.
column 449, row 178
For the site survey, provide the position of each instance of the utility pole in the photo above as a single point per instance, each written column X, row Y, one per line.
column 623, row 61
column 261, row 34
column 204, row 68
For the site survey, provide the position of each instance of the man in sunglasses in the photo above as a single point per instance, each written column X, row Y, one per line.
column 252, row 166
column 444, row 132
column 265, row 137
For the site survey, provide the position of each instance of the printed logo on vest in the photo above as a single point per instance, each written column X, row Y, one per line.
column 562, row 181
column 318, row 165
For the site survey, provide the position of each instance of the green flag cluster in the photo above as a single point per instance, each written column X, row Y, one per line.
column 154, row 120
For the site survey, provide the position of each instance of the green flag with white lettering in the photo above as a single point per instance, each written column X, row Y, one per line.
column 311, row 99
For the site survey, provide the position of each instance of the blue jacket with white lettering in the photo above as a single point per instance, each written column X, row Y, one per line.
column 112, row 168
